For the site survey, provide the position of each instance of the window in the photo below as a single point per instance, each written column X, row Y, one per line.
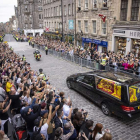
column 94, row 26
column 46, row 13
column 86, row 26
column 94, row 3
column 103, row 28
column 124, row 10
column 104, row 3
column 80, row 78
column 109, row 87
column 60, row 10
column 79, row 3
column 54, row 12
column 55, row 25
column 69, row 12
column 26, row 25
column 65, row 10
column 86, row 4
column 57, row 11
column 26, row 9
column 79, row 26
column 31, row 26
column 72, row 8
column 45, row 24
column 39, row 16
column 135, row 10
column 89, row 80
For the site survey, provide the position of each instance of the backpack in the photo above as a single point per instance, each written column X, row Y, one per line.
column 35, row 133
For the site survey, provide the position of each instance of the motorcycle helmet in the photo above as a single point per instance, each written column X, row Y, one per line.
column 40, row 70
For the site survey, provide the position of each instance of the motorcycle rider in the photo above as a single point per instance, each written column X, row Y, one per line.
column 36, row 52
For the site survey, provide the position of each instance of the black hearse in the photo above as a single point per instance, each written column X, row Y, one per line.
column 114, row 92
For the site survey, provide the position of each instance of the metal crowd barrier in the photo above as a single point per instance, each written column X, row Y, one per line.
column 88, row 63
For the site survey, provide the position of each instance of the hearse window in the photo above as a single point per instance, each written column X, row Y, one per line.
column 80, row 78
column 88, row 80
column 110, row 87
column 134, row 93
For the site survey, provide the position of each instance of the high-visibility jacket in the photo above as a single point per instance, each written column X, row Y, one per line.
column 46, row 48
column 44, row 76
column 103, row 62
column 24, row 58
column 11, row 48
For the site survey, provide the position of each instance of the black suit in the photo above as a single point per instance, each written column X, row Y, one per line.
column 58, row 123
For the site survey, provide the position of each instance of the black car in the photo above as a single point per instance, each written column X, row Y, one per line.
column 114, row 92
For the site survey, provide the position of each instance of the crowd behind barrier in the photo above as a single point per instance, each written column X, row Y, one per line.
column 48, row 113
column 88, row 56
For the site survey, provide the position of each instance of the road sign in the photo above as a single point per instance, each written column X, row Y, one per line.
column 71, row 24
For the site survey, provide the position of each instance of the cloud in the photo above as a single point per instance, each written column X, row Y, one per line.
column 7, row 9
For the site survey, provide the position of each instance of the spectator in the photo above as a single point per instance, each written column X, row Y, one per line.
column 97, row 132
column 87, row 129
column 59, row 133
column 106, row 136
column 66, row 130
column 58, row 120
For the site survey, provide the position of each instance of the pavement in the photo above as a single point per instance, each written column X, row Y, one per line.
column 58, row 70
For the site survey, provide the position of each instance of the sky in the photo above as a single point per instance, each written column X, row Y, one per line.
column 7, row 9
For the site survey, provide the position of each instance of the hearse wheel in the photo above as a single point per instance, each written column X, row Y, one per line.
column 105, row 109
column 69, row 85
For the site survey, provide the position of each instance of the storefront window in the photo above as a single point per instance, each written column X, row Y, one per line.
column 121, row 45
column 136, row 47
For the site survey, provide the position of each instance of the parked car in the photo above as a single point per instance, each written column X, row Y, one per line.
column 114, row 92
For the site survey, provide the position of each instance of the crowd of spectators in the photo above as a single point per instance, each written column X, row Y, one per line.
column 44, row 109
column 127, row 62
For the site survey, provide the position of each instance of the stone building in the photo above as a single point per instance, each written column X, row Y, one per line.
column 94, row 21
column 121, row 30
column 126, row 31
column 30, row 16
column 69, row 19
column 53, row 17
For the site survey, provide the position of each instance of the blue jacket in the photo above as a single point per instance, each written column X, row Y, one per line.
column 74, row 135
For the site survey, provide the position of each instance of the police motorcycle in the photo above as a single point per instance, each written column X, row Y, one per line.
column 37, row 54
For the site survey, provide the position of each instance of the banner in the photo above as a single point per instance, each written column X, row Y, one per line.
column 71, row 24
column 110, row 87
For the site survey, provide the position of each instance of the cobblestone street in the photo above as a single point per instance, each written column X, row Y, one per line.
column 58, row 70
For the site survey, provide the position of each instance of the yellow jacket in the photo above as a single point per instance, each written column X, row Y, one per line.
column 8, row 86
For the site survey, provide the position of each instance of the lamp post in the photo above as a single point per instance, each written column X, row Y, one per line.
column 62, row 20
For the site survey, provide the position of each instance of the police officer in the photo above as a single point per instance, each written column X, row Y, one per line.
column 46, row 49
column 11, row 48
column 103, row 63
column 42, row 75
column 23, row 58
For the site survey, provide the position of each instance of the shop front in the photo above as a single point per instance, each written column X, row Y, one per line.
column 125, row 41
column 101, row 46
